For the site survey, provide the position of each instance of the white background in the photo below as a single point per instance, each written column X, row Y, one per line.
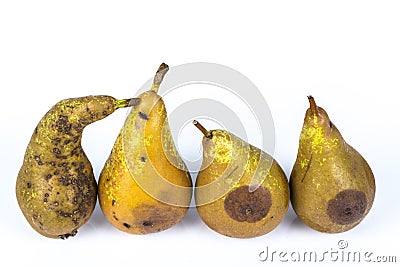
column 345, row 53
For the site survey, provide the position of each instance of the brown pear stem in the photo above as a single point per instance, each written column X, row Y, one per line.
column 201, row 128
column 158, row 78
column 123, row 103
column 313, row 105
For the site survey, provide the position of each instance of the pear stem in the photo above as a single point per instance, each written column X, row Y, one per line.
column 313, row 105
column 201, row 128
column 158, row 78
column 123, row 103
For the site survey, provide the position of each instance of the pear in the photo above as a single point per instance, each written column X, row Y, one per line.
column 56, row 189
column 145, row 186
column 332, row 186
column 240, row 190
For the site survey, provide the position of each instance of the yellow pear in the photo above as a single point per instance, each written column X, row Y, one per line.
column 332, row 186
column 56, row 189
column 144, row 186
column 240, row 190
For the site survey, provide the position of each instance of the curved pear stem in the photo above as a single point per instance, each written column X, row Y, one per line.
column 123, row 103
column 201, row 128
column 313, row 105
column 158, row 78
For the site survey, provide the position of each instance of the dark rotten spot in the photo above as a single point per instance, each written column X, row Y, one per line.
column 66, row 181
column 147, row 223
column 75, row 151
column 62, row 125
column 65, row 214
column 143, row 159
column 245, row 206
column 75, row 221
column 38, row 160
column 143, row 116
column 112, row 202
column 347, row 207
column 126, row 225
column 65, row 236
column 29, row 185
column 56, row 140
column 155, row 219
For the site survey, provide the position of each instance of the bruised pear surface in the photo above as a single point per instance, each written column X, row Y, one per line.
column 240, row 190
column 56, row 189
column 332, row 186
column 144, row 186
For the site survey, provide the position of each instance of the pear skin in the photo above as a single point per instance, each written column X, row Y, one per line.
column 240, row 190
column 332, row 186
column 56, row 189
column 144, row 186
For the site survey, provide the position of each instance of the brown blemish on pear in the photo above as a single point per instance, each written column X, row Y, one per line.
column 245, row 206
column 347, row 207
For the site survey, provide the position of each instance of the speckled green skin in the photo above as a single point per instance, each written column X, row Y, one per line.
column 230, row 165
column 56, row 189
column 332, row 186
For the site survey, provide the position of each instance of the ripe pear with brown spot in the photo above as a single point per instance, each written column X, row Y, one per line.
column 144, row 186
column 332, row 186
column 56, row 189
column 240, row 190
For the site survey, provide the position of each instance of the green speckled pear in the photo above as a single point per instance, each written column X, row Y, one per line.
column 332, row 186
column 56, row 189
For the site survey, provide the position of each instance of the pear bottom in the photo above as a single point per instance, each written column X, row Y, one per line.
column 147, row 218
column 245, row 214
column 339, row 214
column 136, row 212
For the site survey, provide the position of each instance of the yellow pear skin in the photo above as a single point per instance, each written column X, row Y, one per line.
column 144, row 186
column 56, row 189
column 240, row 191
column 332, row 186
